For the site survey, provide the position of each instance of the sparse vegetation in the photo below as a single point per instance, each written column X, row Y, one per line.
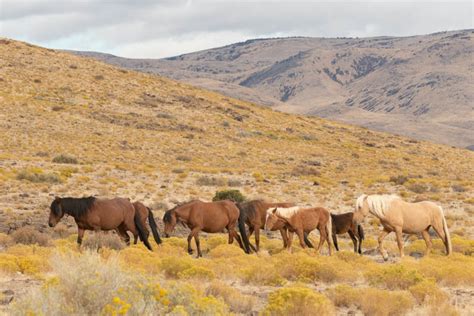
column 30, row 236
column 65, row 159
column 233, row 195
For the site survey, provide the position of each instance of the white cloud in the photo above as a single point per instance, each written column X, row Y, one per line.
column 150, row 28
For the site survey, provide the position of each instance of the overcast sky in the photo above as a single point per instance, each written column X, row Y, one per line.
column 161, row 28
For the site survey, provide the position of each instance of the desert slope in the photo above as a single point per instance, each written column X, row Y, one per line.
column 420, row 86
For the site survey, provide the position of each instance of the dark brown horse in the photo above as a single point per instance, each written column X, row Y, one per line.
column 253, row 213
column 300, row 221
column 210, row 217
column 343, row 223
column 145, row 213
column 95, row 214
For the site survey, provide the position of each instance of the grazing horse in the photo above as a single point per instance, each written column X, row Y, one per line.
column 210, row 217
column 91, row 213
column 253, row 213
column 301, row 221
column 343, row 223
column 400, row 217
column 145, row 213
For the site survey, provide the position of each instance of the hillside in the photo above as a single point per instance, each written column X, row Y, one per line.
column 74, row 126
column 419, row 86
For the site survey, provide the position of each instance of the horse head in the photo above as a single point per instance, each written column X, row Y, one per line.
column 271, row 219
column 361, row 209
column 170, row 219
column 56, row 212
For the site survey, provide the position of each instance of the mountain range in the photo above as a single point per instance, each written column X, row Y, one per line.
column 417, row 86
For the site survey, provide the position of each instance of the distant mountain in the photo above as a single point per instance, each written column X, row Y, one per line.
column 419, row 86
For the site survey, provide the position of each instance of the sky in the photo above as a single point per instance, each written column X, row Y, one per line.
column 163, row 28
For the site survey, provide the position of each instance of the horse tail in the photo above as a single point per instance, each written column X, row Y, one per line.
column 449, row 246
column 329, row 230
column 154, row 227
column 141, row 230
column 360, row 230
column 243, row 232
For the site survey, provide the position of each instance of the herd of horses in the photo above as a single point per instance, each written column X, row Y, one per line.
column 123, row 216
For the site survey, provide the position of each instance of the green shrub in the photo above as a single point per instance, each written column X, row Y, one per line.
column 233, row 195
column 38, row 177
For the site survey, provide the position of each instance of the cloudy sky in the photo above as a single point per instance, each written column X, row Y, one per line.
column 161, row 28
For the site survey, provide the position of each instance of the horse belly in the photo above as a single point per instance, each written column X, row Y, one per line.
column 415, row 221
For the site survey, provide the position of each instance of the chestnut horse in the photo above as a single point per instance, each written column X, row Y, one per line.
column 343, row 223
column 253, row 213
column 400, row 217
column 210, row 217
column 302, row 220
column 145, row 213
column 91, row 213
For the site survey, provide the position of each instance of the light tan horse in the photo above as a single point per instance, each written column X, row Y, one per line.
column 300, row 221
column 400, row 217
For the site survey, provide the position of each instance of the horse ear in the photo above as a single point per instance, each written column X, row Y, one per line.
column 57, row 198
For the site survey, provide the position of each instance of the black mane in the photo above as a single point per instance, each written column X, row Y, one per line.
column 76, row 207
column 167, row 216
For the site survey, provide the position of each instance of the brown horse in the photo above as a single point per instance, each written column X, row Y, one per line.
column 254, row 212
column 95, row 214
column 300, row 221
column 210, row 217
column 145, row 213
column 343, row 223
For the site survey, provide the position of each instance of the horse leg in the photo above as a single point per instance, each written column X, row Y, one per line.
column 300, row 234
column 190, row 236
column 427, row 238
column 382, row 235
column 354, row 239
column 398, row 232
column 198, row 244
column 80, row 236
column 284, row 237
column 257, row 238
column 322, row 238
column 123, row 233
column 438, row 228
column 289, row 241
column 334, row 239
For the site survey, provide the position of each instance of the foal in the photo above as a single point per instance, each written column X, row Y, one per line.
column 300, row 221
column 343, row 223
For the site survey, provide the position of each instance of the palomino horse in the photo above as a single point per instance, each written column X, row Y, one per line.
column 343, row 223
column 253, row 213
column 403, row 217
column 95, row 214
column 210, row 217
column 145, row 213
column 301, row 221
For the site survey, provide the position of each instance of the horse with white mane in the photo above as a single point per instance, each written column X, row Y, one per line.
column 302, row 221
column 400, row 217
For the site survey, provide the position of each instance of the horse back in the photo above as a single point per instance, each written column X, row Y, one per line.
column 109, row 213
column 342, row 222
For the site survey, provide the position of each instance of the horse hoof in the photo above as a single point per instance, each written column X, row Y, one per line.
column 190, row 251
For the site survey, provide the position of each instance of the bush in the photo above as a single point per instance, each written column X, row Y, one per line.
column 38, row 177
column 418, row 187
column 86, row 284
column 458, row 188
column 98, row 240
column 197, row 273
column 297, row 300
column 211, row 181
column 5, row 241
column 395, row 276
column 233, row 195
column 400, row 180
column 29, row 236
column 237, row 301
column 372, row 301
column 65, row 159
column 427, row 292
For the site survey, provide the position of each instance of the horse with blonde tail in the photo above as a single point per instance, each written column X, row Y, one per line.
column 400, row 217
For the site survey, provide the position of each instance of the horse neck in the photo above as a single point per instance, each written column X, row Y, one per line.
column 182, row 213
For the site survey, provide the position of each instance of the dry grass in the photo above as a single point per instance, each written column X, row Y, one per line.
column 30, row 236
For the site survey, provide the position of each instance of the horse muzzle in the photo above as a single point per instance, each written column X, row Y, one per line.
column 167, row 235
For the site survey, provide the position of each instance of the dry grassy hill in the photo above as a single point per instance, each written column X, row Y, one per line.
column 74, row 126
column 418, row 86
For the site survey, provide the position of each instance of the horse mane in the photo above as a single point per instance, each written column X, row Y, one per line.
column 285, row 212
column 76, row 207
column 378, row 203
